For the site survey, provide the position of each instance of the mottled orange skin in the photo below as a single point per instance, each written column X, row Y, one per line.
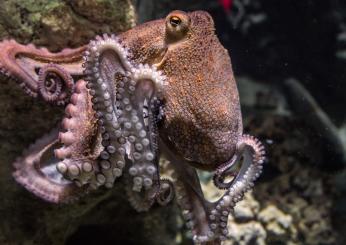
column 202, row 111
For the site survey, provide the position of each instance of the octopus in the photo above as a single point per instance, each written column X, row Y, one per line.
column 162, row 90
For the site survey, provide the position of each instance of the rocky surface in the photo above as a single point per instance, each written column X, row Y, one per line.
column 57, row 23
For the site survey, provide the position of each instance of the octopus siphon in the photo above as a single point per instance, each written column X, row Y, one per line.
column 164, row 89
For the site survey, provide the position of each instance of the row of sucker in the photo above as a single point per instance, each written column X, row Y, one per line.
column 78, row 162
column 138, row 200
column 160, row 190
column 141, row 90
column 119, row 95
column 182, row 196
column 55, row 85
column 164, row 190
column 189, row 211
column 163, row 193
column 218, row 214
column 105, row 60
column 253, row 153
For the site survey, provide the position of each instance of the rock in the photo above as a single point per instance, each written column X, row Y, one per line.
column 277, row 223
column 244, row 234
column 315, row 189
column 295, row 206
column 273, row 214
column 246, row 209
column 57, row 24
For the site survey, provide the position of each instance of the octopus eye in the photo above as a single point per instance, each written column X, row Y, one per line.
column 175, row 21
column 177, row 25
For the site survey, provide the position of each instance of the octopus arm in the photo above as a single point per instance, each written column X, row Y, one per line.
column 120, row 91
column 208, row 221
column 36, row 171
column 64, row 163
column 28, row 65
column 81, row 144
column 250, row 154
column 189, row 195
column 106, row 65
column 155, row 188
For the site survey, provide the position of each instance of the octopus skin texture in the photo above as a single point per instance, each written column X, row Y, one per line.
column 162, row 89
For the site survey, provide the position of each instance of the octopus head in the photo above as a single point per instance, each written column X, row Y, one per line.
column 201, row 104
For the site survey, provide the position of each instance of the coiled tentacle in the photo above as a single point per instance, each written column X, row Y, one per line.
column 227, row 169
column 252, row 152
column 166, row 192
column 55, row 84
column 21, row 63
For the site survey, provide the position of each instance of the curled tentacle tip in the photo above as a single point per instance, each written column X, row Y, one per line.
column 250, row 154
column 54, row 83
column 166, row 193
